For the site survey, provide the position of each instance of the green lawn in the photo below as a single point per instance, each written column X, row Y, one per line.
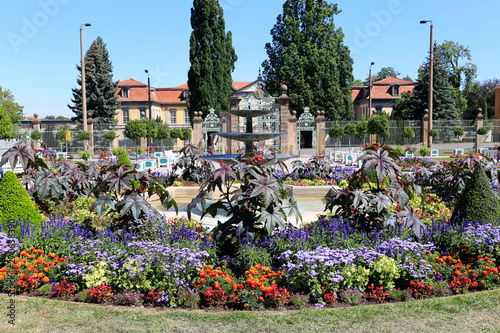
column 476, row 312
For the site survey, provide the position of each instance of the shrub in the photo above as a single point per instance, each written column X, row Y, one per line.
column 117, row 151
column 409, row 133
column 45, row 289
column 83, row 296
column 478, row 201
column 458, row 131
column 85, row 155
column 84, row 135
column 15, row 202
column 110, row 135
column 482, row 131
column 399, row 150
column 424, row 151
column 124, row 160
column 352, row 296
column 36, row 135
column 101, row 293
column 63, row 289
column 249, row 256
column 433, row 132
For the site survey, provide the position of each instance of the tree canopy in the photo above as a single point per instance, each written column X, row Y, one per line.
column 383, row 73
column 5, row 125
column 102, row 100
column 307, row 54
column 8, row 104
column 212, row 59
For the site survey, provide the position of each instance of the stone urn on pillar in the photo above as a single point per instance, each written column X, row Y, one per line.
column 144, row 141
column 90, row 124
column 36, row 128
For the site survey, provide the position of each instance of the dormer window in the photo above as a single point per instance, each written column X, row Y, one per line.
column 395, row 91
column 185, row 95
column 124, row 92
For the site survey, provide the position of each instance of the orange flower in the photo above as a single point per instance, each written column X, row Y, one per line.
column 45, row 279
column 261, row 299
column 458, row 273
column 485, row 273
column 46, row 269
column 246, row 305
column 202, row 281
column 52, row 255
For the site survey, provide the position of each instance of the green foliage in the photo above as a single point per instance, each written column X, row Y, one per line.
column 83, row 296
column 124, row 160
column 307, row 53
column 5, row 125
column 424, row 151
column 61, row 136
column 85, row 155
column 212, row 59
column 361, row 129
column 409, row 133
column 45, row 289
column 163, row 132
column 336, row 131
column 117, row 151
column 249, row 256
column 8, row 104
column 399, row 150
column 135, row 129
column 384, row 272
column 15, row 202
column 482, row 131
column 477, row 202
column 355, row 277
column 102, row 100
column 433, row 132
column 316, row 167
column 85, row 135
column 191, row 166
column 458, row 131
column 379, row 125
column 151, row 128
column 350, row 129
column 36, row 135
column 110, row 135
column 385, row 72
column 186, row 134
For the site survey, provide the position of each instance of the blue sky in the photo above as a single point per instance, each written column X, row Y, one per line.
column 40, row 43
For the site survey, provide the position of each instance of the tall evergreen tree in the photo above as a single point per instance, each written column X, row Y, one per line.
column 443, row 96
column 212, row 58
column 307, row 53
column 102, row 101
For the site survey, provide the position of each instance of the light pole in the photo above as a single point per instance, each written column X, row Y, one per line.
column 370, row 92
column 431, row 81
column 84, row 95
column 149, row 94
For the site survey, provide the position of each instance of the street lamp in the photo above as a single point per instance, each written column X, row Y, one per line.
column 431, row 81
column 370, row 92
column 149, row 94
column 84, row 95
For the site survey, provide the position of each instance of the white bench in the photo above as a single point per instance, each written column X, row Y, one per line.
column 434, row 152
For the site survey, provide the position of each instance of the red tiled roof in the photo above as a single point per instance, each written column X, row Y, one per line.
column 357, row 92
column 385, row 91
column 392, row 80
column 497, row 87
column 130, row 82
column 171, row 95
column 138, row 94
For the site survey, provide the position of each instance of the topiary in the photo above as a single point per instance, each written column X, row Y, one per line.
column 36, row 135
column 478, row 201
column 15, row 202
column 124, row 160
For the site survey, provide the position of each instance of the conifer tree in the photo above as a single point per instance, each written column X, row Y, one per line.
column 308, row 55
column 212, row 58
column 443, row 97
column 102, row 101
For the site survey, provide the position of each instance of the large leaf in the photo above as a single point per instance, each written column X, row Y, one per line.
column 272, row 218
column 102, row 203
column 120, row 179
column 411, row 220
column 381, row 201
column 399, row 194
column 360, row 197
column 47, row 184
column 135, row 204
column 268, row 187
column 21, row 152
column 224, row 173
column 382, row 162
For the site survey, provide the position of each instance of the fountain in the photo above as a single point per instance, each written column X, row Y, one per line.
column 267, row 105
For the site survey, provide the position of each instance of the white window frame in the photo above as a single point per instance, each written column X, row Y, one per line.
column 126, row 119
column 125, row 92
column 186, row 117
column 174, row 118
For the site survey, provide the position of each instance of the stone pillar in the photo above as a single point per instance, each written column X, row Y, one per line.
column 496, row 116
column 292, row 134
column 234, row 102
column 90, row 125
column 425, row 128
column 479, row 124
column 320, row 133
column 36, row 127
column 198, row 129
column 226, row 144
column 284, row 104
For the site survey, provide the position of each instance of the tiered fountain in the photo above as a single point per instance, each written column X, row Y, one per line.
column 248, row 137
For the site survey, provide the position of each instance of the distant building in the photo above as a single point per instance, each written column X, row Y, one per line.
column 385, row 93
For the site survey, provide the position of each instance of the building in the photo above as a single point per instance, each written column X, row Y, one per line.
column 385, row 93
column 169, row 104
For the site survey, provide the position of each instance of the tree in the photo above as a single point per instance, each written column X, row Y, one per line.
column 476, row 97
column 336, row 131
column 443, row 97
column 212, row 59
column 384, row 73
column 408, row 133
column 307, row 53
column 5, row 126
column 134, row 130
column 350, row 129
column 362, row 129
column 102, row 100
column 8, row 104
column 379, row 125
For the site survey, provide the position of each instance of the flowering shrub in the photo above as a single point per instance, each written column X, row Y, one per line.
column 153, row 296
column 31, row 268
column 63, row 289
column 461, row 284
column 384, row 271
column 127, row 298
column 378, row 294
column 101, row 293
column 419, row 289
column 352, row 296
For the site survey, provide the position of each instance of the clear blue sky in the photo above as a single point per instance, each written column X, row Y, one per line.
column 40, row 44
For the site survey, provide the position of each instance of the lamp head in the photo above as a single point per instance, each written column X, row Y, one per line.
column 372, row 63
column 424, row 22
column 146, row 71
column 87, row 24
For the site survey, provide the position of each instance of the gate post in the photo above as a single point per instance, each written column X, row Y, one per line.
column 320, row 133
column 479, row 124
column 292, row 134
column 284, row 102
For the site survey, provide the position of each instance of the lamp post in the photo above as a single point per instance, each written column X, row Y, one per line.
column 431, row 80
column 84, row 93
column 149, row 94
column 370, row 92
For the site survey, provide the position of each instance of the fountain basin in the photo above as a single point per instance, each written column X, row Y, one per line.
column 248, row 137
column 228, row 158
column 249, row 113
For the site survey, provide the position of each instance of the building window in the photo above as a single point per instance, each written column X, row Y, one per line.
column 141, row 110
column 395, row 90
column 173, row 116
column 378, row 109
column 125, row 116
column 186, row 117
column 124, row 92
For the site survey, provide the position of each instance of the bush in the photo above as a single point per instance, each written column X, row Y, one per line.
column 409, row 133
column 424, row 151
column 84, row 135
column 124, row 160
column 399, row 150
column 482, row 131
column 15, row 202
column 36, row 135
column 85, row 155
column 110, row 135
column 478, row 201
column 433, row 132
column 117, row 151
column 458, row 131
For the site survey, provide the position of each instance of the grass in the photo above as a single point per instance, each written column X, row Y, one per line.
column 475, row 312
